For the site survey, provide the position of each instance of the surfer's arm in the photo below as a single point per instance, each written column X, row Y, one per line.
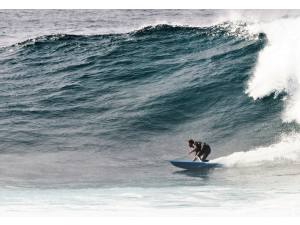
column 193, row 150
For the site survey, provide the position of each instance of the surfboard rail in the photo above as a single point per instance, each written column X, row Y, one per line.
column 194, row 165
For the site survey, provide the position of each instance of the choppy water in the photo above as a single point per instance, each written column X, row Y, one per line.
column 94, row 102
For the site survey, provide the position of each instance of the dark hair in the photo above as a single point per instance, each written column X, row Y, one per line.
column 191, row 141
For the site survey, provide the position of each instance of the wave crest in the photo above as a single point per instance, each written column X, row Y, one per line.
column 236, row 29
column 277, row 69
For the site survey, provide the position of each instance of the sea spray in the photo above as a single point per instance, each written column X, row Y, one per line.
column 278, row 69
column 285, row 151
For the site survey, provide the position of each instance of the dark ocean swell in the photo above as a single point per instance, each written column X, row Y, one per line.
column 116, row 91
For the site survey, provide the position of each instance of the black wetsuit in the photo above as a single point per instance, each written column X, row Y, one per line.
column 198, row 147
column 202, row 150
column 205, row 151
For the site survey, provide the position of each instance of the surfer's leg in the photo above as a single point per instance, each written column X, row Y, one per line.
column 204, row 156
column 196, row 158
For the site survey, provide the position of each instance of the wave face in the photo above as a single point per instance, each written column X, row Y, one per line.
column 126, row 88
column 132, row 99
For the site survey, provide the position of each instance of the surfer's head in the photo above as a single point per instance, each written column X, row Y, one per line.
column 191, row 142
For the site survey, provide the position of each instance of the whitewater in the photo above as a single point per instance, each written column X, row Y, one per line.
column 93, row 104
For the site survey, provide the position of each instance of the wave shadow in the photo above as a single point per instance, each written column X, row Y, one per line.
column 200, row 173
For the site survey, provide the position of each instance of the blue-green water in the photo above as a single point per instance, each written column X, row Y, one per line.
column 101, row 99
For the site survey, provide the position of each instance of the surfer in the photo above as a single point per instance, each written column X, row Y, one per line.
column 202, row 150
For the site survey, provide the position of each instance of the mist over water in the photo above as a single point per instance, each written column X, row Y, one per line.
column 98, row 101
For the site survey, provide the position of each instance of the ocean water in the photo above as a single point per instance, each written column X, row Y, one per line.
column 93, row 104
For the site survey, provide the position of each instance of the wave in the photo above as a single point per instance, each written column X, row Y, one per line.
column 276, row 73
column 124, row 103
column 152, row 81
column 109, row 108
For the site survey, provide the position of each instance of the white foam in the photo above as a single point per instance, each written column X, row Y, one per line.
column 183, row 201
column 285, row 151
column 277, row 68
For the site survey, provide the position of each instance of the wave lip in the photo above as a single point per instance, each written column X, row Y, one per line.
column 238, row 29
column 277, row 69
